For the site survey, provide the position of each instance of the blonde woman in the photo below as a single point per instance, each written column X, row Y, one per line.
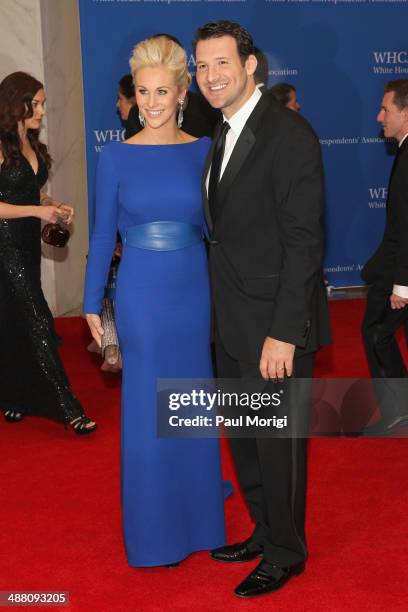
column 149, row 189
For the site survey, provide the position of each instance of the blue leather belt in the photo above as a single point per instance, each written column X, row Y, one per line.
column 163, row 235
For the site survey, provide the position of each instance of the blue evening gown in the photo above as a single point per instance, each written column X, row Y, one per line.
column 172, row 490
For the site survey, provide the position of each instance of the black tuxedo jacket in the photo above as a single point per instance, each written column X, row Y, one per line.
column 267, row 241
column 389, row 264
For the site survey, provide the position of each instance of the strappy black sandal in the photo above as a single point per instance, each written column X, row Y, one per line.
column 13, row 416
column 83, row 425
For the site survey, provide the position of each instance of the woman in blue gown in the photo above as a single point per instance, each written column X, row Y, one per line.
column 172, row 491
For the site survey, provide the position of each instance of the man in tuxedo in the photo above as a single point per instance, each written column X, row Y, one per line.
column 263, row 199
column 387, row 270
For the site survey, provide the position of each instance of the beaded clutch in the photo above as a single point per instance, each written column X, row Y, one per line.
column 110, row 340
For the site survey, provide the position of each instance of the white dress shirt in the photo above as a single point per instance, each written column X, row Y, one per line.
column 237, row 123
column 401, row 290
column 402, row 140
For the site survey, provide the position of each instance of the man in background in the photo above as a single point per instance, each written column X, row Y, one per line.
column 387, row 270
column 126, row 97
column 285, row 94
column 261, row 74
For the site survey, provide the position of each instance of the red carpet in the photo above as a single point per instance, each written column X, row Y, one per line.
column 60, row 510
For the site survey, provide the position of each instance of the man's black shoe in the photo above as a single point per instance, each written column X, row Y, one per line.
column 386, row 427
column 267, row 578
column 236, row 553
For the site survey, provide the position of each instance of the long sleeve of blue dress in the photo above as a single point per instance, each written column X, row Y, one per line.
column 103, row 237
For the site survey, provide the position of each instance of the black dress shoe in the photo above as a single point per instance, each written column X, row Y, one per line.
column 386, row 427
column 237, row 553
column 267, row 578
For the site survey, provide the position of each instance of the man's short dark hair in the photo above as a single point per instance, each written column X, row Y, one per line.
column 400, row 89
column 126, row 86
column 262, row 67
column 216, row 29
column 281, row 92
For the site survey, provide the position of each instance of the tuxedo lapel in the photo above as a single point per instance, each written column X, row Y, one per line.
column 242, row 148
column 241, row 151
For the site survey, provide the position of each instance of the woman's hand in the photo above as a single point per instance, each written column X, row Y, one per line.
column 94, row 322
column 66, row 213
column 49, row 214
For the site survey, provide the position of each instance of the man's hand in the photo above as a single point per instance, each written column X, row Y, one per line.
column 276, row 358
column 397, row 302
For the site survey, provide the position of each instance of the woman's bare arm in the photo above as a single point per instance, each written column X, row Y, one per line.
column 15, row 211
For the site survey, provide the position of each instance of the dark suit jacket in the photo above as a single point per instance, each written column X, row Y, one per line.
column 267, row 243
column 199, row 120
column 389, row 264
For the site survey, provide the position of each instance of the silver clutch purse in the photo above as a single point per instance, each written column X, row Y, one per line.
column 110, row 341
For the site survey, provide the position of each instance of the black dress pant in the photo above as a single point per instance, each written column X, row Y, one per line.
column 272, row 474
column 379, row 326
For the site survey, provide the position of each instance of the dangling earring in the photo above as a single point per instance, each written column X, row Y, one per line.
column 180, row 114
column 141, row 119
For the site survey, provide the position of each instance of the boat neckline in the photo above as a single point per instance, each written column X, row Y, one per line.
column 174, row 144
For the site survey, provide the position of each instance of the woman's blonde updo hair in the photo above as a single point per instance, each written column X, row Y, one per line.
column 161, row 51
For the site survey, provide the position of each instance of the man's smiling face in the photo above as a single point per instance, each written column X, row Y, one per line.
column 222, row 76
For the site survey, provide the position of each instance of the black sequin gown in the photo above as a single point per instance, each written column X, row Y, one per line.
column 32, row 377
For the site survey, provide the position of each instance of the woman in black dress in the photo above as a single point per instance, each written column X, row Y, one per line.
column 32, row 377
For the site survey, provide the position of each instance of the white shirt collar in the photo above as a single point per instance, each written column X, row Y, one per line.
column 239, row 119
column 402, row 140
